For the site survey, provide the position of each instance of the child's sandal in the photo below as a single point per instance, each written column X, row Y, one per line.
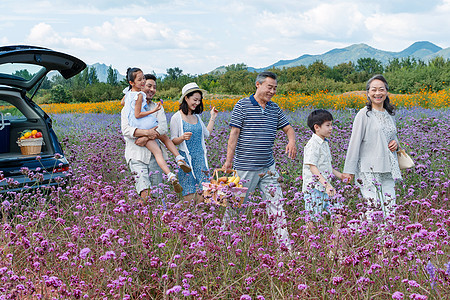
column 184, row 166
column 176, row 185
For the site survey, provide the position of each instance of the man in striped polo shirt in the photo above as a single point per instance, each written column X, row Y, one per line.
column 254, row 124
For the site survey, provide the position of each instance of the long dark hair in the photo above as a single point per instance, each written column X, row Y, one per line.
column 184, row 106
column 387, row 102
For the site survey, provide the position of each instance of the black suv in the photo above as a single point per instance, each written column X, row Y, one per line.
column 22, row 70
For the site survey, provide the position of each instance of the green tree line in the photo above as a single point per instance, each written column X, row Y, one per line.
column 405, row 75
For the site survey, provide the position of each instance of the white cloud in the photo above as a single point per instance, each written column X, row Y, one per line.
column 445, row 6
column 394, row 32
column 386, row 28
column 44, row 34
column 335, row 20
column 83, row 43
column 256, row 50
column 140, row 34
column 325, row 21
column 198, row 36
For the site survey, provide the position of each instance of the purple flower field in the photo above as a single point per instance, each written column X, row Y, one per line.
column 92, row 239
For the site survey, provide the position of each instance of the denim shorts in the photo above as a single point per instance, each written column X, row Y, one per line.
column 316, row 202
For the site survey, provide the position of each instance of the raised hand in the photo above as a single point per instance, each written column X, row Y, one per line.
column 214, row 113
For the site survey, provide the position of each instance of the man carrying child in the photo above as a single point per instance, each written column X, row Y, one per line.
column 141, row 161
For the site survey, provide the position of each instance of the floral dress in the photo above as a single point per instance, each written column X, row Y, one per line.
column 192, row 182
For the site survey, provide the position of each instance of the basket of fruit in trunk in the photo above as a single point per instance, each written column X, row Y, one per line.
column 225, row 190
column 30, row 142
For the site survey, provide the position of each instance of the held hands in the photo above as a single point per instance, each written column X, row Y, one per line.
column 347, row 177
column 393, row 146
column 330, row 190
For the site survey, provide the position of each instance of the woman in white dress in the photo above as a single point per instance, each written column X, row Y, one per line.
column 371, row 155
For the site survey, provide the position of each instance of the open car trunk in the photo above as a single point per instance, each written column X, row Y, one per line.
column 19, row 113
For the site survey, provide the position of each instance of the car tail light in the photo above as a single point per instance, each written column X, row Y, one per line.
column 61, row 169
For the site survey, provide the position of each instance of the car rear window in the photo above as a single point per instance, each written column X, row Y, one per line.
column 19, row 71
column 9, row 111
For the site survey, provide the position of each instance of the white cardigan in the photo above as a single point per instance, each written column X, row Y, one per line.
column 368, row 144
column 176, row 130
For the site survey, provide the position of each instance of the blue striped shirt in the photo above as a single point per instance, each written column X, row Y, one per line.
column 258, row 132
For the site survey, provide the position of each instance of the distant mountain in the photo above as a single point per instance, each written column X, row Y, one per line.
column 218, row 70
column 445, row 53
column 423, row 50
column 102, row 72
column 420, row 50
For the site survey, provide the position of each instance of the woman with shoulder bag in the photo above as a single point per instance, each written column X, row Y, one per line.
column 372, row 151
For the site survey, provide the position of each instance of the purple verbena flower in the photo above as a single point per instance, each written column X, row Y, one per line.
column 397, row 296
column 84, row 252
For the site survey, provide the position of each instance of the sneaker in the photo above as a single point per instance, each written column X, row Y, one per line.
column 184, row 166
column 176, row 185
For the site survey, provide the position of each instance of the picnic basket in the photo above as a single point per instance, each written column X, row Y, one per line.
column 223, row 194
column 31, row 146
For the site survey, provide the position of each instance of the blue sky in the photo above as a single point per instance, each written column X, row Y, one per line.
column 198, row 36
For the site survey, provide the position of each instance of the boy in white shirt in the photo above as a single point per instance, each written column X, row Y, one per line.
column 317, row 168
column 317, row 171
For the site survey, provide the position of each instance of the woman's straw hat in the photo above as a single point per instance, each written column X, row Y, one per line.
column 189, row 88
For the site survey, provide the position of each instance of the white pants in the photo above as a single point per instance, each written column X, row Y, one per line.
column 378, row 189
column 142, row 175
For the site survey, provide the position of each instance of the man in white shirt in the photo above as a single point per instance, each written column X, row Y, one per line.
column 139, row 159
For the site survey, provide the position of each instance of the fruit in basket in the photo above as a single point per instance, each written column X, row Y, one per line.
column 223, row 179
column 27, row 134
column 232, row 181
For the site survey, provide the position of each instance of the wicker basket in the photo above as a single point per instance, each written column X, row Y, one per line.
column 31, row 146
column 223, row 194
